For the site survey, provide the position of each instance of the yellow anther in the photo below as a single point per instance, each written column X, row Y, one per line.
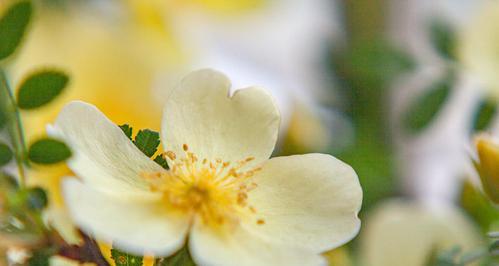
column 171, row 155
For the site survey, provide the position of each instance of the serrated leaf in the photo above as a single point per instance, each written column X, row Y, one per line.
column 41, row 88
column 13, row 25
column 159, row 159
column 484, row 115
column 127, row 130
column 443, row 38
column 425, row 108
column 123, row 259
column 48, row 151
column 147, row 141
column 181, row 258
column 5, row 154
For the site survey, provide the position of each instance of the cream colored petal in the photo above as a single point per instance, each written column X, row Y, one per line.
column 102, row 155
column 239, row 246
column 135, row 227
column 57, row 217
column 311, row 199
column 399, row 231
column 202, row 114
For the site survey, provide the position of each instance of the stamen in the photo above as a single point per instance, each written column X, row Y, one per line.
column 217, row 191
column 171, row 155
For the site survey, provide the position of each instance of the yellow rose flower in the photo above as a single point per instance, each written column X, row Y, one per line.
column 222, row 195
column 488, row 166
column 110, row 66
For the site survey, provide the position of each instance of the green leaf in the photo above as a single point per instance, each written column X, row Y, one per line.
column 37, row 198
column 181, row 258
column 426, row 107
column 494, row 247
column 147, row 141
column 484, row 115
column 443, row 38
column 5, row 154
column 376, row 62
column 123, row 259
column 13, row 25
column 159, row 159
column 41, row 88
column 127, row 130
column 48, row 151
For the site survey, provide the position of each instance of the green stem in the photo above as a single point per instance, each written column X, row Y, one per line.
column 16, row 129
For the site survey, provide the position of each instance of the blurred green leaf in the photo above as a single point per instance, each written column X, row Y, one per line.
column 127, row 130
column 484, row 115
column 147, row 141
column 443, row 38
column 375, row 63
column 159, row 159
column 5, row 154
column 41, row 88
column 37, row 198
column 181, row 258
column 425, row 108
column 123, row 259
column 13, row 24
column 48, row 151
column 448, row 257
column 3, row 116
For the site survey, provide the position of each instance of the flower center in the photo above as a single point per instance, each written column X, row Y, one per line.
column 217, row 191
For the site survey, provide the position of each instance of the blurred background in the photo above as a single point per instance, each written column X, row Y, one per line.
column 398, row 89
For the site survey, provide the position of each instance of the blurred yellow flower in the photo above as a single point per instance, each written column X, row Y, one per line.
column 236, row 206
column 488, row 165
column 400, row 232
column 110, row 66
column 478, row 50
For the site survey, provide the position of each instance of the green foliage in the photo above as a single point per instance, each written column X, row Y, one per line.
column 375, row 62
column 48, row 151
column 13, row 25
column 443, row 38
column 3, row 117
column 159, row 159
column 484, row 115
column 36, row 198
column 127, row 130
column 40, row 259
column 181, row 258
column 426, row 107
column 5, row 154
column 147, row 141
column 123, row 259
column 41, row 88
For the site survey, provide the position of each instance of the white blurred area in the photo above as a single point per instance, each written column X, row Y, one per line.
column 279, row 45
column 433, row 162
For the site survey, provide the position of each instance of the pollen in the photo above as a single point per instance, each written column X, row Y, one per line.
column 217, row 191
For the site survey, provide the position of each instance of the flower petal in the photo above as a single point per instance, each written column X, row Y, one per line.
column 311, row 199
column 135, row 227
column 241, row 247
column 201, row 114
column 102, row 155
